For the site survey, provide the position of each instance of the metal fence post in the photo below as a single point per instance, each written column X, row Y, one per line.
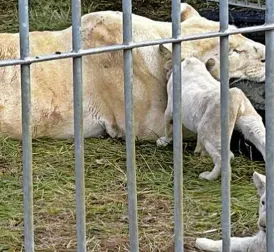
column 225, row 144
column 130, row 130
column 78, row 127
column 177, row 128
column 269, row 121
column 26, row 127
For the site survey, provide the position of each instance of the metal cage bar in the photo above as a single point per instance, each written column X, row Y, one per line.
column 78, row 127
column 177, row 127
column 26, row 127
column 269, row 121
column 225, row 144
column 248, row 4
column 130, row 128
column 132, row 45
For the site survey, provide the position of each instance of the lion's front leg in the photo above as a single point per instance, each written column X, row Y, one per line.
column 165, row 140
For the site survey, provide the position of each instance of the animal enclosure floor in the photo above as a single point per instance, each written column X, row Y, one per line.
column 105, row 174
column 106, row 196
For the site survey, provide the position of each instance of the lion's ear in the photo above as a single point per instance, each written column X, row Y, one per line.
column 167, row 55
column 165, row 52
column 260, row 183
column 187, row 11
column 210, row 63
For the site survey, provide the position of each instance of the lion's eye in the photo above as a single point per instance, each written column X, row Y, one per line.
column 239, row 51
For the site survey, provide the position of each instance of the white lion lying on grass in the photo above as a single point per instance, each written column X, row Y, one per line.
column 103, row 86
column 201, row 111
column 256, row 243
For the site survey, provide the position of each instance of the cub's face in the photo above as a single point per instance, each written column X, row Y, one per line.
column 260, row 183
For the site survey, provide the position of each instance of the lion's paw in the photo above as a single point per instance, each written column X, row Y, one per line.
column 207, row 175
column 162, row 142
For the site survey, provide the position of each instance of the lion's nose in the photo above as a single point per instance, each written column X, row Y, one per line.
column 262, row 223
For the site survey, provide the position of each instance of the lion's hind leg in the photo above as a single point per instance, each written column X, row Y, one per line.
column 209, row 135
column 200, row 150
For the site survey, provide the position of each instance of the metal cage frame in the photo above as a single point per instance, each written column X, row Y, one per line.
column 25, row 61
column 255, row 4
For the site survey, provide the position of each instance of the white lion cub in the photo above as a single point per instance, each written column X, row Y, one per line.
column 201, row 111
column 256, row 243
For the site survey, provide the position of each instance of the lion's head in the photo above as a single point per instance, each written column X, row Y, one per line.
column 246, row 57
column 246, row 60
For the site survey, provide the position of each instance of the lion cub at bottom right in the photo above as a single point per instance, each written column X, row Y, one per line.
column 255, row 243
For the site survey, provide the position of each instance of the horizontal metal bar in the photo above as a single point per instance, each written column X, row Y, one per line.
column 132, row 45
column 241, row 4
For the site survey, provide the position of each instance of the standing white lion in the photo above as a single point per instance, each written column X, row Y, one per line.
column 201, row 111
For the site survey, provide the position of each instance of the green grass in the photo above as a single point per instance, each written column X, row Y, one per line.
column 106, row 197
column 51, row 15
column 105, row 174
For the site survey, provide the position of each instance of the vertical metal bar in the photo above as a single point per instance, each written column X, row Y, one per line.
column 269, row 114
column 78, row 127
column 177, row 128
column 130, row 131
column 225, row 148
column 26, row 127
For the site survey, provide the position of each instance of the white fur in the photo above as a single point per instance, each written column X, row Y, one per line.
column 255, row 243
column 103, row 79
column 201, row 113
